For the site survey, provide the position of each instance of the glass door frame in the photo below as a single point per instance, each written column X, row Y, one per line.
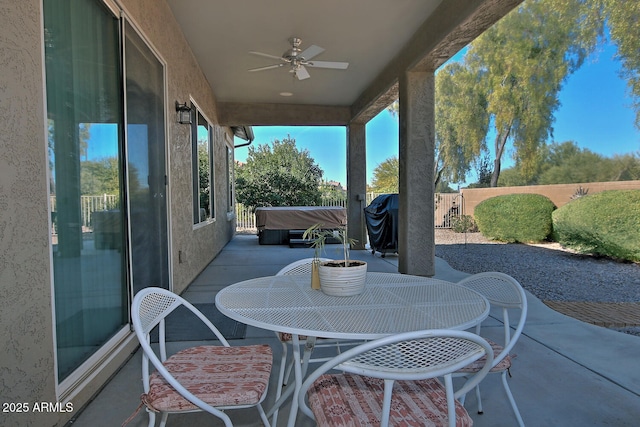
column 124, row 20
column 88, row 369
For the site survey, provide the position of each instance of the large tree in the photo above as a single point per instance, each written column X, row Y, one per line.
column 461, row 120
column 507, row 85
column 278, row 175
column 623, row 18
column 522, row 62
column 385, row 176
column 100, row 176
column 511, row 76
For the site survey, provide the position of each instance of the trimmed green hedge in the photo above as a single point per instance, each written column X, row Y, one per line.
column 515, row 217
column 606, row 223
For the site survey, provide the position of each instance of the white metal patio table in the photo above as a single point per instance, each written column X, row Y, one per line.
column 391, row 303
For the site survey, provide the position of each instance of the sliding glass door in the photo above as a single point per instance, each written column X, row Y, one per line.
column 107, row 169
column 146, row 163
column 85, row 116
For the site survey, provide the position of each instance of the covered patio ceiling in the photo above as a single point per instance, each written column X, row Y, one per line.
column 380, row 39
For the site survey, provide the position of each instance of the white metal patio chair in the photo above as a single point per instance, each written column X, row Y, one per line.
column 505, row 292
column 302, row 266
column 209, row 378
column 394, row 380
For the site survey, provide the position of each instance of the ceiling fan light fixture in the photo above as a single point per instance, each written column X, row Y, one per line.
column 298, row 58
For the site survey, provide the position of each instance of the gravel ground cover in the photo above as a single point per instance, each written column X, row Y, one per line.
column 546, row 270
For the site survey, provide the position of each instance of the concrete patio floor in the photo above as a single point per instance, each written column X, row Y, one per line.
column 566, row 373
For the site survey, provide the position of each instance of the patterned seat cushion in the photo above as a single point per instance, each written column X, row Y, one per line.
column 354, row 401
column 220, row 376
column 286, row 337
column 503, row 365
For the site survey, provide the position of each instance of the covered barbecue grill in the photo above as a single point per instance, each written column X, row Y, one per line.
column 381, row 217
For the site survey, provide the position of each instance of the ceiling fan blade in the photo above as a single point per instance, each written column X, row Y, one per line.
column 302, row 73
column 268, row 67
column 328, row 64
column 267, row 55
column 311, row 51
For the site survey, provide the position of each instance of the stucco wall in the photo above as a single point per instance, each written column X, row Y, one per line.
column 27, row 364
column 26, row 353
column 184, row 80
column 560, row 194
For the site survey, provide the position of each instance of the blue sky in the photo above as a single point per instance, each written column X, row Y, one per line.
column 595, row 112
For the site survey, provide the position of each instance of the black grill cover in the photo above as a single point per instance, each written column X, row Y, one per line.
column 382, row 223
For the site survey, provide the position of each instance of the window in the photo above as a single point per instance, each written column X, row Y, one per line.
column 202, row 146
column 230, row 179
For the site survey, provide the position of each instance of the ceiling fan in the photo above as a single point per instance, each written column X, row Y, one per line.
column 299, row 59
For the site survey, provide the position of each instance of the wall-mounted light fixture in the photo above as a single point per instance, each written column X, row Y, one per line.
column 184, row 113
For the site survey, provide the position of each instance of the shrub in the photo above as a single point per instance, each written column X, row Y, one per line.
column 606, row 223
column 463, row 224
column 515, row 217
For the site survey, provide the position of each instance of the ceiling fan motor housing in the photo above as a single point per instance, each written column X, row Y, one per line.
column 293, row 53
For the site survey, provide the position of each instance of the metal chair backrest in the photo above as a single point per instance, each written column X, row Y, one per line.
column 501, row 290
column 302, row 266
column 150, row 308
column 413, row 355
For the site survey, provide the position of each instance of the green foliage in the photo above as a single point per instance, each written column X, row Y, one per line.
column 623, row 18
column 512, row 177
column 204, row 173
column 464, row 224
column 385, row 179
column 523, row 61
column 444, row 187
column 484, row 173
column 515, row 217
column 333, row 192
column 462, row 121
column 626, row 167
column 385, row 176
column 100, row 176
column 567, row 163
column 606, row 223
column 508, row 83
column 278, row 175
column 584, row 167
column 318, row 237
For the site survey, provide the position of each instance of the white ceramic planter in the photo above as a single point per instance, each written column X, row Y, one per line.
column 343, row 281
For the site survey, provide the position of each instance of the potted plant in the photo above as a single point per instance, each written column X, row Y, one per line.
column 318, row 238
column 344, row 277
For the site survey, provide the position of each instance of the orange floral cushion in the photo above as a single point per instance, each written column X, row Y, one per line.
column 220, row 376
column 355, row 401
column 503, row 365
column 286, row 337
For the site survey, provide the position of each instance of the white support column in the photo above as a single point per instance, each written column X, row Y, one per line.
column 356, row 183
column 416, row 245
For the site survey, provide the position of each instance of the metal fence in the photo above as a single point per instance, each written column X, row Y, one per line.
column 447, row 206
column 89, row 205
